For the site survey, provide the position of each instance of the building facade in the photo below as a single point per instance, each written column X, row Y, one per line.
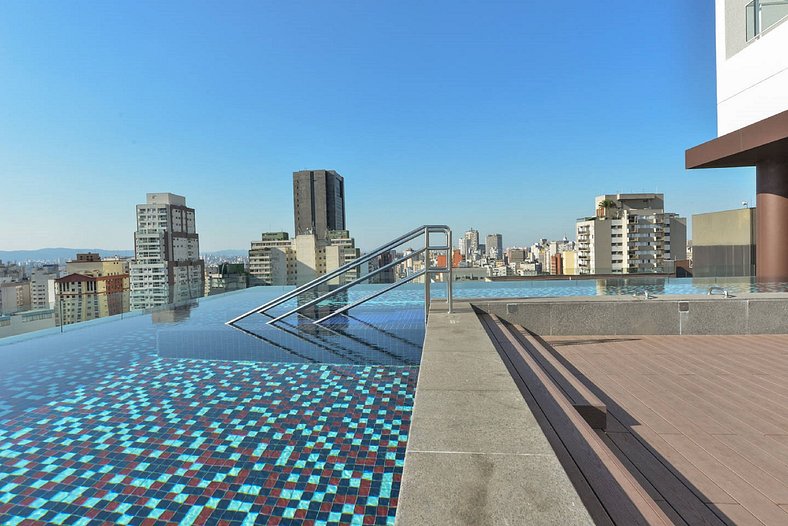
column 469, row 245
column 167, row 267
column 630, row 233
column 14, row 297
column 278, row 260
column 318, row 202
column 723, row 243
column 752, row 117
column 83, row 297
column 494, row 246
column 42, row 287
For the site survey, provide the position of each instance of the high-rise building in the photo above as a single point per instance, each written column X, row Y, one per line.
column 630, row 233
column 470, row 245
column 42, row 287
column 167, row 267
column 272, row 260
column 318, row 247
column 495, row 246
column 319, row 202
column 752, row 117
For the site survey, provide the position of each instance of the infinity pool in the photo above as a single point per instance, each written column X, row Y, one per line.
column 174, row 417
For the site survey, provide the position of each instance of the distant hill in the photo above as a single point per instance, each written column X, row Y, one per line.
column 226, row 253
column 55, row 254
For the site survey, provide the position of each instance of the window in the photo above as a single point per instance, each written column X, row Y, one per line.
column 763, row 14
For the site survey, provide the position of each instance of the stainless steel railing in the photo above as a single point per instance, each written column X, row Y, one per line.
column 428, row 271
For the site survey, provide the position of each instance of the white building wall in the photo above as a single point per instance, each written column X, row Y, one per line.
column 752, row 84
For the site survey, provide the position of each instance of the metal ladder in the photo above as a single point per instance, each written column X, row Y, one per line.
column 427, row 272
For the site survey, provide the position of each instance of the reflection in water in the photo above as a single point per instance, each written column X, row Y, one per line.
column 619, row 286
column 174, row 313
column 324, row 308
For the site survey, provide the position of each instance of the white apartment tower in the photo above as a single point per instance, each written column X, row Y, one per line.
column 630, row 233
column 167, row 267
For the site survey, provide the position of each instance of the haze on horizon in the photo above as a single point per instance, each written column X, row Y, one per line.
column 506, row 117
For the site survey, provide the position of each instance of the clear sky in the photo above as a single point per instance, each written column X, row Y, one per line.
column 503, row 116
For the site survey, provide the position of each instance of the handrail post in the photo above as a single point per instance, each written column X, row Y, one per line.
column 450, row 263
column 426, row 273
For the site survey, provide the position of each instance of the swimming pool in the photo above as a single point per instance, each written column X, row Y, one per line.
column 173, row 417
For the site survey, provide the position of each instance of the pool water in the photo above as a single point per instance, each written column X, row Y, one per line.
column 174, row 417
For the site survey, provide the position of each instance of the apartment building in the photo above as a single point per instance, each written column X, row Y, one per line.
column 14, row 297
column 92, row 288
column 83, row 297
column 752, row 117
column 272, row 260
column 91, row 264
column 469, row 245
column 278, row 260
column 494, row 245
column 42, row 287
column 10, row 272
column 630, row 233
column 167, row 267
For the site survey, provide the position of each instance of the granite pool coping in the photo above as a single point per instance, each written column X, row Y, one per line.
column 476, row 454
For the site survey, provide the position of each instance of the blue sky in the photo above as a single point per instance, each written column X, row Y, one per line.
column 503, row 116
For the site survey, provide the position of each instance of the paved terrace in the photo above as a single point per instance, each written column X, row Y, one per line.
column 699, row 423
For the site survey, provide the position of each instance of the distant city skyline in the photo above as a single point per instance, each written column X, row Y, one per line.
column 473, row 115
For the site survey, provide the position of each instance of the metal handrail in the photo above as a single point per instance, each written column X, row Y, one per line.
column 374, row 295
column 346, row 286
column 715, row 288
column 416, row 232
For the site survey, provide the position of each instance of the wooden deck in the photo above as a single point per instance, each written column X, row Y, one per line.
column 701, row 421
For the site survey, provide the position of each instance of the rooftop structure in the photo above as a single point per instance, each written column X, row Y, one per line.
column 752, row 117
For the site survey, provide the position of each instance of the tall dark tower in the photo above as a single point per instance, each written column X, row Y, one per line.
column 319, row 202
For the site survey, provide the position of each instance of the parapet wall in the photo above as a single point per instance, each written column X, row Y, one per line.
column 620, row 315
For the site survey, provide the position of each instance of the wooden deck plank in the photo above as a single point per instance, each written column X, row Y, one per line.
column 753, row 500
column 703, row 486
column 670, row 487
column 737, row 515
column 724, row 400
column 752, row 448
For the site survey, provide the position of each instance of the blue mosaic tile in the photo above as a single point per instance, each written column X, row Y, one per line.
column 197, row 441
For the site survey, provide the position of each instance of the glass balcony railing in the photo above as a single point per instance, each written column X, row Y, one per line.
column 762, row 15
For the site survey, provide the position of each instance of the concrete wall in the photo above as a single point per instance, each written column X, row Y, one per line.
column 752, row 78
column 746, row 314
column 724, row 243
column 678, row 238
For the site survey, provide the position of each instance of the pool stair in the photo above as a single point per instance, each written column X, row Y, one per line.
column 336, row 278
column 364, row 339
column 572, row 419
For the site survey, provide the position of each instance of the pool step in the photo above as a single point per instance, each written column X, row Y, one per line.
column 610, row 492
column 590, row 407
